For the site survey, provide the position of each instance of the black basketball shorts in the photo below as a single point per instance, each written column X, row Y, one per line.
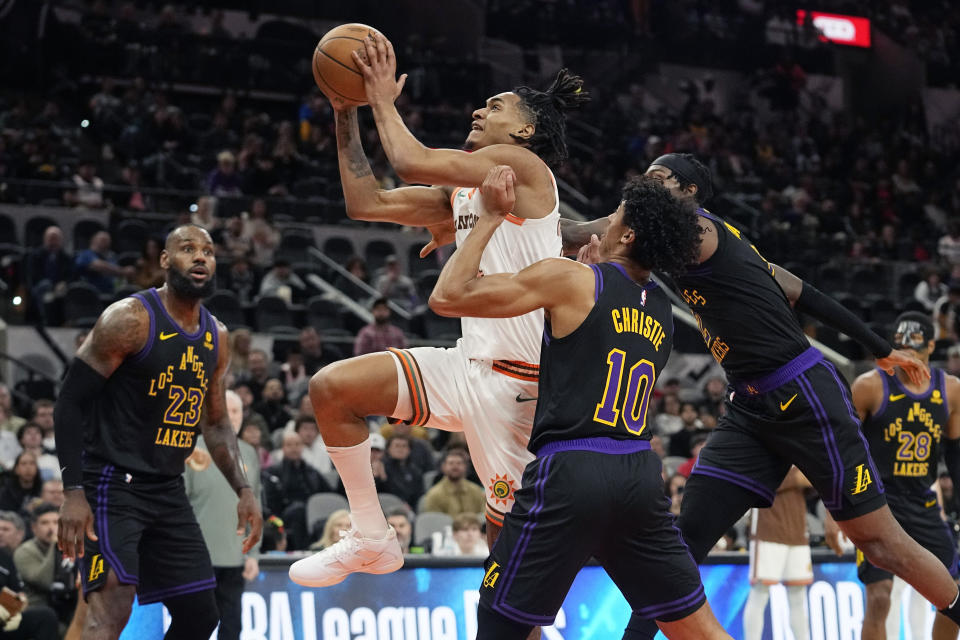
column 147, row 535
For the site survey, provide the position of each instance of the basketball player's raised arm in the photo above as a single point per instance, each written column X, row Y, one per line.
column 221, row 442
column 578, row 234
column 462, row 291
column 120, row 331
column 416, row 163
column 804, row 297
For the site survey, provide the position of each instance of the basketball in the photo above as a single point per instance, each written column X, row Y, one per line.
column 333, row 68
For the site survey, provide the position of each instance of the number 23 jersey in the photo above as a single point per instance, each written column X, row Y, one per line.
column 146, row 419
column 597, row 381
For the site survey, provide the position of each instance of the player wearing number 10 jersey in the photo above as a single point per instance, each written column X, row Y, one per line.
column 145, row 381
column 594, row 488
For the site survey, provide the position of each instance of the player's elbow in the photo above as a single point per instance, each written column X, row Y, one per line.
column 443, row 304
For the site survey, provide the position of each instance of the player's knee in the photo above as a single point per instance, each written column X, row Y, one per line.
column 878, row 600
column 493, row 626
column 197, row 612
column 327, row 388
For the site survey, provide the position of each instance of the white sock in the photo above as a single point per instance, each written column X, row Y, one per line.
column 353, row 465
column 796, row 598
column 753, row 611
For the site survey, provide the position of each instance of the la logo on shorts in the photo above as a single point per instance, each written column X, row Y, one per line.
column 96, row 567
column 491, row 576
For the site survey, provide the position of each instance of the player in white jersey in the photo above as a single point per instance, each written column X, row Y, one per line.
column 487, row 385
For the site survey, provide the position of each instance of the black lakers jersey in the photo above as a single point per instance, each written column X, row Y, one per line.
column 904, row 434
column 743, row 314
column 147, row 418
column 597, row 381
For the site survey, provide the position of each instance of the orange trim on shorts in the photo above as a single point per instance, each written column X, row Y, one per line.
column 493, row 516
column 453, row 194
column 798, row 583
column 418, row 392
column 517, row 220
column 517, row 369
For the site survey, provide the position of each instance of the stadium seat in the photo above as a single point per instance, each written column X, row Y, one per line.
column 321, row 505
column 324, row 314
column 390, row 502
column 907, row 282
column 8, row 230
column 883, row 311
column 295, row 246
column 913, row 305
column 428, row 523
column 225, row 305
column 428, row 478
column 339, row 249
column 272, row 311
column 852, row 303
column 125, row 291
column 869, row 280
column 376, row 253
column 131, row 235
column 426, row 281
column 832, row 280
column 81, row 305
column 83, row 230
column 34, row 232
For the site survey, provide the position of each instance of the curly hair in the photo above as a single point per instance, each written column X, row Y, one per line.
column 546, row 111
column 667, row 235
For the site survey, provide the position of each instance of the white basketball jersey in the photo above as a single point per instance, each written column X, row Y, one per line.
column 517, row 244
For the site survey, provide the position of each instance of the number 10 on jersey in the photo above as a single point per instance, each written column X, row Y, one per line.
column 640, row 380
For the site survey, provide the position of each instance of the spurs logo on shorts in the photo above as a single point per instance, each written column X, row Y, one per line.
column 501, row 489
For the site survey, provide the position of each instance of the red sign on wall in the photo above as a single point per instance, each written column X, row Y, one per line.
column 833, row 27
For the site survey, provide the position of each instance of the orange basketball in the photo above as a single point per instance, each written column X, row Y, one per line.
column 333, row 68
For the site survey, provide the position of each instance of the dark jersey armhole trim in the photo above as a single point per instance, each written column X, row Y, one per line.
column 140, row 355
column 886, row 392
column 214, row 331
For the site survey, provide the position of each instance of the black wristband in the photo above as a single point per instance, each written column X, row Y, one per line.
column 834, row 314
column 81, row 384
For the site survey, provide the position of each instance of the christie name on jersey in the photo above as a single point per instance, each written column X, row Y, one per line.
column 631, row 320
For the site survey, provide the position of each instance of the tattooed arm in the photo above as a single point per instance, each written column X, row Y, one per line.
column 221, row 442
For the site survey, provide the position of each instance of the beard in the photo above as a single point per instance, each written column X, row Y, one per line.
column 184, row 287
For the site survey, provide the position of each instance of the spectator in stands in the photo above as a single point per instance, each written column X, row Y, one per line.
column 252, row 434
column 316, row 354
column 953, row 360
column 420, row 452
column 404, row 478
column 380, row 334
column 263, row 178
column 37, row 623
column 224, row 180
column 30, row 437
column 696, row 444
column 274, row 536
column 337, row 523
column 131, row 197
column 680, row 441
column 357, row 267
column 242, row 281
column 668, row 420
column 295, row 378
column 467, row 537
column 12, row 530
column 929, row 290
column 42, row 415
column 240, row 341
column 715, row 391
column 205, row 214
column 21, row 486
column 98, row 266
column 148, row 272
column 377, row 446
column 48, row 268
column 52, row 492
column 259, row 370
column 264, row 237
column 9, row 421
column 314, row 450
column 273, row 405
column 49, row 579
column 288, row 485
column 951, row 505
column 454, row 494
column 282, row 282
column 395, row 286
column 399, row 519
column 235, row 241
column 675, row 491
column 945, row 314
column 89, row 187
column 948, row 247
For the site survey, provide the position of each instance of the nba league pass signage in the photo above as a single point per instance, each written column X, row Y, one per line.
column 440, row 604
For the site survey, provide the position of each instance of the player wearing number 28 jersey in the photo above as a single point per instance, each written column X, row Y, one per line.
column 594, row 488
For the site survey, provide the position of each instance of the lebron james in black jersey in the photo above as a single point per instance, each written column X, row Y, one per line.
column 594, row 488
column 908, row 428
column 785, row 405
column 147, row 380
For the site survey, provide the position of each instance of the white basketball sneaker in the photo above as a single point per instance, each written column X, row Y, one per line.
column 352, row 554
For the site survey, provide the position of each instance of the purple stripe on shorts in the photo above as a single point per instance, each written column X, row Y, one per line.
column 742, row 481
column 781, row 376
column 140, row 355
column 179, row 590
column 104, row 532
column 596, row 444
column 829, row 443
column 653, row 611
column 856, row 420
column 525, row 535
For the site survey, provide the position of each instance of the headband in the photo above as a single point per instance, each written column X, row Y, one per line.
column 689, row 173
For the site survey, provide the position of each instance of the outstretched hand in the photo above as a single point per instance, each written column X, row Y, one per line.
column 498, row 192
column 249, row 513
column 916, row 370
column 76, row 523
column 378, row 64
